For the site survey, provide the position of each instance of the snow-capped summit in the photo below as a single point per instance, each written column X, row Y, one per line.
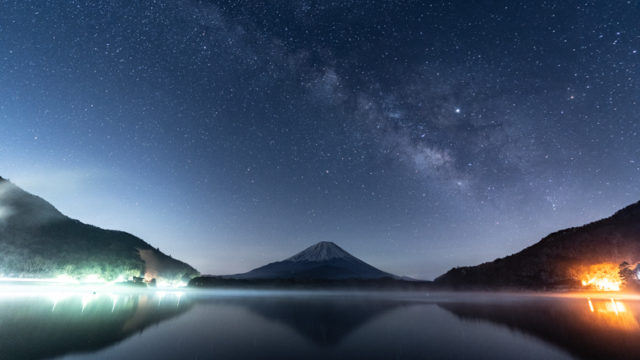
column 322, row 261
column 322, row 251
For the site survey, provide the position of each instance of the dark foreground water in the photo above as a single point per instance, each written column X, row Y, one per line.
column 77, row 324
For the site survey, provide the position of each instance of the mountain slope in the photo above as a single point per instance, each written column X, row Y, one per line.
column 560, row 259
column 36, row 240
column 322, row 261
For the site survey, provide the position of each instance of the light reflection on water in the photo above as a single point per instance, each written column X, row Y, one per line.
column 613, row 313
column 47, row 321
column 134, row 324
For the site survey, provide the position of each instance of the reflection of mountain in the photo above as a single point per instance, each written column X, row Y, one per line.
column 323, row 320
column 38, row 327
column 589, row 329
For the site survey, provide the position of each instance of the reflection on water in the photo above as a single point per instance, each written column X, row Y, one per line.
column 51, row 321
column 613, row 314
column 325, row 320
column 275, row 325
column 603, row 328
column 291, row 325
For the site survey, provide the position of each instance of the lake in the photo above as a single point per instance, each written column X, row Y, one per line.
column 50, row 322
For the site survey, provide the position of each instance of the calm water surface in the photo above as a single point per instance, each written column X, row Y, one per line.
column 227, row 324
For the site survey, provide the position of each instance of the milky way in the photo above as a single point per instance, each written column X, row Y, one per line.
column 418, row 136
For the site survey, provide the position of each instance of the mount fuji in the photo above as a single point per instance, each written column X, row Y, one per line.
column 322, row 261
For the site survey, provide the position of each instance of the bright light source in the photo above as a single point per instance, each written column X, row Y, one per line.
column 93, row 278
column 66, row 279
column 602, row 277
column 167, row 284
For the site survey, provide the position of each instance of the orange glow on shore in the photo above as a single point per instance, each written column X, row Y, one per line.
column 602, row 277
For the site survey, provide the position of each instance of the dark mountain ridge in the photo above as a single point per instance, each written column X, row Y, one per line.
column 322, row 261
column 37, row 240
column 557, row 260
column 324, row 265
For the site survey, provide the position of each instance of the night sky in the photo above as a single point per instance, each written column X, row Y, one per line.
column 418, row 136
